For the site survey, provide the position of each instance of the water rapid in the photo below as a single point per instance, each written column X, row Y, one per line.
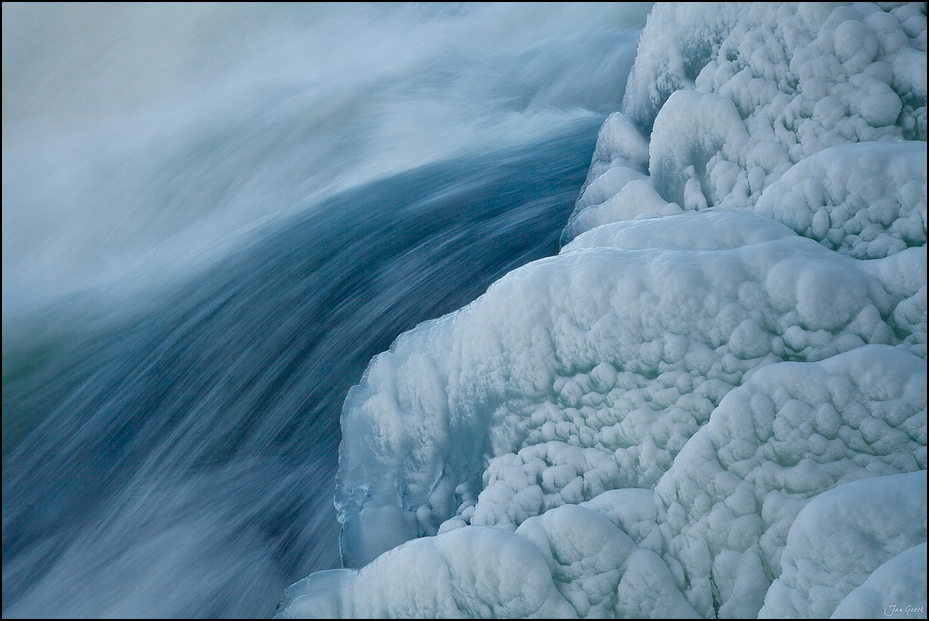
column 199, row 261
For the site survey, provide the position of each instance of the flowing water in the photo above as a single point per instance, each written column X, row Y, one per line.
column 213, row 217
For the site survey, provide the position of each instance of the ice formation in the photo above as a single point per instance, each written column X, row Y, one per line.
column 712, row 402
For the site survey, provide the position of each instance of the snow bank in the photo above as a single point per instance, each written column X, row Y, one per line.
column 712, row 402
column 735, row 96
column 882, row 518
column 864, row 200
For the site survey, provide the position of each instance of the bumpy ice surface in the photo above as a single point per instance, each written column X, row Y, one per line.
column 712, row 402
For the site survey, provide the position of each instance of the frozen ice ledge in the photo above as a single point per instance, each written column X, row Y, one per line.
column 712, row 402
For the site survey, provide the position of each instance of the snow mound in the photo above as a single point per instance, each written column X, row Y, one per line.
column 764, row 484
column 843, row 538
column 901, row 579
column 733, row 97
column 864, row 200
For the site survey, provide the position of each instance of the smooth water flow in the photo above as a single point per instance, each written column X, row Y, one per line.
column 198, row 264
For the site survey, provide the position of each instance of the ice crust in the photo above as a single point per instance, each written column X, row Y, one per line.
column 712, row 402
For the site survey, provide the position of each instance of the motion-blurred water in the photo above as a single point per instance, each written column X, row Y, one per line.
column 213, row 216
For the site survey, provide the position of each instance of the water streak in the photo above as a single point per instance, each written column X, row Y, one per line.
column 198, row 267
